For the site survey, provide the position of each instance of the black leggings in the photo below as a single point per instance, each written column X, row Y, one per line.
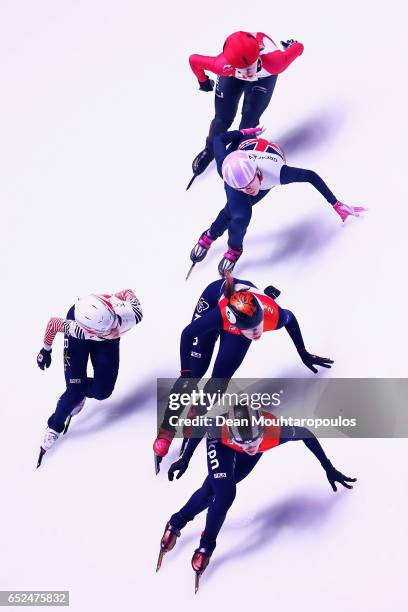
column 228, row 91
column 226, row 468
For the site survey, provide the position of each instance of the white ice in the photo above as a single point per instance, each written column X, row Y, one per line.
column 100, row 118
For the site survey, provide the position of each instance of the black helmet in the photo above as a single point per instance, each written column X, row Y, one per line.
column 247, row 427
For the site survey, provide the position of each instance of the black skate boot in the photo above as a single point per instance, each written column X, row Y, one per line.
column 227, row 263
column 200, row 164
column 200, row 250
column 167, row 543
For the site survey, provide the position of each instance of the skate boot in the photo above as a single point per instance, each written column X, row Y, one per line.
column 74, row 412
column 200, row 164
column 50, row 437
column 199, row 562
column 161, row 446
column 200, row 250
column 167, row 543
column 229, row 260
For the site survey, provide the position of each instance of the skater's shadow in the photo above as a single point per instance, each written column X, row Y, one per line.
column 298, row 513
column 302, row 239
column 313, row 132
column 107, row 413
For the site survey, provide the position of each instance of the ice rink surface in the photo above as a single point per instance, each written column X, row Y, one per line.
column 100, row 117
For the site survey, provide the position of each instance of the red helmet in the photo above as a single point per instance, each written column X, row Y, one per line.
column 241, row 49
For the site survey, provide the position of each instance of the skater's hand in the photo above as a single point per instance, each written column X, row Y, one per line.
column 179, row 466
column 334, row 476
column 207, row 85
column 288, row 43
column 344, row 211
column 44, row 359
column 311, row 360
column 256, row 131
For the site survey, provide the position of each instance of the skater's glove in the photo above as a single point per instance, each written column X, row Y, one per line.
column 256, row 131
column 288, row 43
column 334, row 476
column 344, row 211
column 312, row 360
column 44, row 359
column 207, row 85
column 179, row 466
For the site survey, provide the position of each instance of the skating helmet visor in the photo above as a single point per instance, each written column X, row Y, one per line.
column 247, row 428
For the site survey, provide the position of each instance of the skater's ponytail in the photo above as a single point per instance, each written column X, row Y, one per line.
column 229, row 285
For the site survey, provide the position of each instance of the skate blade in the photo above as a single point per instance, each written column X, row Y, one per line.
column 183, row 446
column 197, row 583
column 159, row 560
column 67, row 424
column 40, row 456
column 190, row 271
column 191, row 182
column 157, row 461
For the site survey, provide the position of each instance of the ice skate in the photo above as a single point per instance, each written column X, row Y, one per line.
column 167, row 543
column 200, row 164
column 200, row 250
column 199, row 562
column 50, row 437
column 74, row 412
column 227, row 263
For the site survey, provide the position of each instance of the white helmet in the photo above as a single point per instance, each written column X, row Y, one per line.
column 95, row 314
column 238, row 169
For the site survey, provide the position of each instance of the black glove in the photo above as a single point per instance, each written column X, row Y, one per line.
column 334, row 476
column 288, row 43
column 181, row 465
column 44, row 359
column 311, row 360
column 207, row 85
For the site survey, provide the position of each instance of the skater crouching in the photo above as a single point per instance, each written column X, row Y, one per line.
column 232, row 453
column 92, row 330
column 250, row 167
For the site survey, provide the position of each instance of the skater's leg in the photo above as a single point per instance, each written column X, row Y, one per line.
column 231, row 354
column 76, row 353
column 228, row 92
column 220, row 224
column 105, row 361
column 199, row 501
column 256, row 99
column 221, row 469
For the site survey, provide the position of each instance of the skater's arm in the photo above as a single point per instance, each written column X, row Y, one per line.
column 277, row 61
column 56, row 325
column 216, row 64
column 181, row 465
column 288, row 320
column 210, row 321
column 289, row 174
column 221, row 142
column 132, row 304
column 290, row 433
